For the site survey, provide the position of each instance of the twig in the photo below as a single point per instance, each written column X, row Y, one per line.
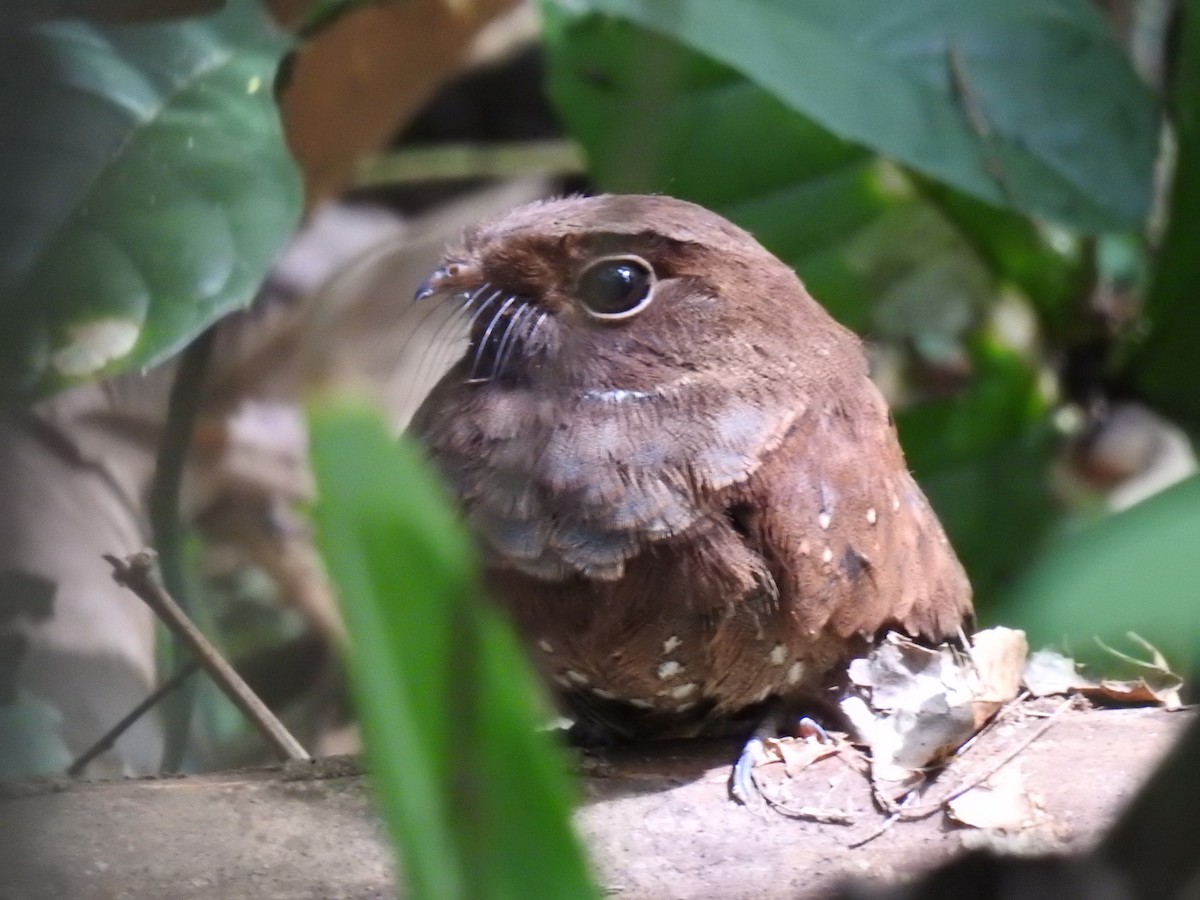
column 887, row 823
column 137, row 573
column 820, row 815
column 183, row 408
column 929, row 808
column 182, row 674
column 907, row 812
column 991, row 723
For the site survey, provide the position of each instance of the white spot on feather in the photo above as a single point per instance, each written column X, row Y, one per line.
column 778, row 655
column 795, row 673
column 671, row 643
column 827, row 556
column 545, row 646
column 669, row 669
column 684, row 690
column 872, row 516
column 824, row 520
column 616, row 395
column 576, row 677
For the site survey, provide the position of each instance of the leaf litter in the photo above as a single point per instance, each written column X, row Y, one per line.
column 916, row 711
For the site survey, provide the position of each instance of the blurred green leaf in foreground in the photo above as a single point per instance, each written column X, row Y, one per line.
column 1132, row 572
column 473, row 791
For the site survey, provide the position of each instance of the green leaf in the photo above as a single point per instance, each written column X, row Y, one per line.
column 31, row 740
column 1134, row 571
column 983, row 460
column 474, row 793
column 1046, row 265
column 1164, row 365
column 1028, row 103
column 144, row 188
column 864, row 242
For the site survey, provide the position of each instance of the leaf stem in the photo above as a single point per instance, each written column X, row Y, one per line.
column 183, row 408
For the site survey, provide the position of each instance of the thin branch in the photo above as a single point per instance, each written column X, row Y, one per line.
column 137, row 573
column 109, row 738
column 917, row 812
column 893, row 817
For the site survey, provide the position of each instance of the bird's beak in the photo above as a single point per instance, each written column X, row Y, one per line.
column 449, row 278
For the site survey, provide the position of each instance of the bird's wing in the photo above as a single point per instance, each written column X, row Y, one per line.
column 849, row 536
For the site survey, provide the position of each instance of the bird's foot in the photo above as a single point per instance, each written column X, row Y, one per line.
column 743, row 785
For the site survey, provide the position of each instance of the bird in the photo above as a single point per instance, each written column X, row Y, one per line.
column 688, row 493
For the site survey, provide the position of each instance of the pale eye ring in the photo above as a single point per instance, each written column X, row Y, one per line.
column 615, row 287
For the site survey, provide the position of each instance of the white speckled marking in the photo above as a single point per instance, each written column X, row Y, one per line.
column 601, row 692
column 641, row 704
column 795, row 672
column 669, row 669
column 684, row 690
column 827, row 556
column 576, row 677
column 872, row 516
column 804, row 547
column 545, row 646
column 671, row 643
column 778, row 655
column 824, row 520
column 615, row 395
column 895, row 503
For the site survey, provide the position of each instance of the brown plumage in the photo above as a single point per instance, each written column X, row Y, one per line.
column 689, row 494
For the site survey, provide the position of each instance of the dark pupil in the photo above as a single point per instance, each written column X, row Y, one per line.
column 614, row 287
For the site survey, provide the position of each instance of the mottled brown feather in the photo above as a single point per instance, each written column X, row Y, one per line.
column 692, row 510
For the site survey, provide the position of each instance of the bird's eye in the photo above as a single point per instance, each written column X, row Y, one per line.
column 616, row 287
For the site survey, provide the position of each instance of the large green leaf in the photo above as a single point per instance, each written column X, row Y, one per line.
column 853, row 228
column 472, row 790
column 1132, row 572
column 1029, row 103
column 144, row 188
column 884, row 256
column 1164, row 366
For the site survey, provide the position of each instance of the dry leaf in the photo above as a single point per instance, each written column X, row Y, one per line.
column 1049, row 672
column 919, row 708
column 915, row 705
column 1137, row 691
column 797, row 754
column 1000, row 802
column 1157, row 684
column 999, row 658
